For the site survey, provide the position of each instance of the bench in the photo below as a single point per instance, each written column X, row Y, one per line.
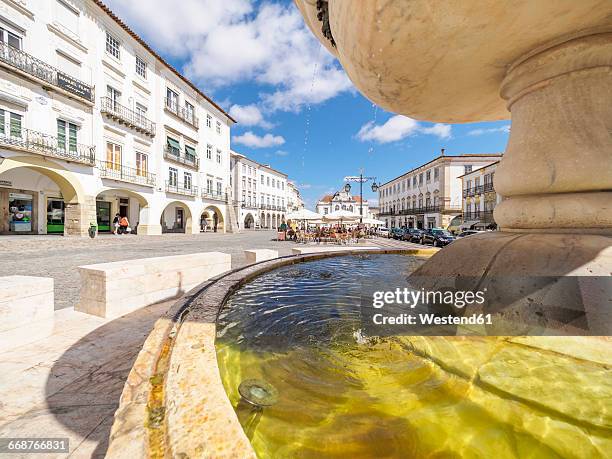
column 26, row 310
column 111, row 290
column 257, row 255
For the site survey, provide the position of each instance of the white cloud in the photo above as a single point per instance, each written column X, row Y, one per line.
column 248, row 115
column 238, row 41
column 399, row 127
column 477, row 132
column 281, row 153
column 252, row 140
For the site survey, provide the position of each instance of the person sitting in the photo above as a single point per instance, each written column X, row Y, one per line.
column 124, row 225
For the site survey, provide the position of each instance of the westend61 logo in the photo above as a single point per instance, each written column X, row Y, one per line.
column 422, row 299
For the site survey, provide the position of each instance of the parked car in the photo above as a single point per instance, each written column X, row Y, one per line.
column 413, row 235
column 438, row 237
column 469, row 233
column 397, row 233
column 383, row 232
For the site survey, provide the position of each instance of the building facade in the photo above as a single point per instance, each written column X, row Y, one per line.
column 259, row 193
column 93, row 123
column 480, row 198
column 294, row 198
column 342, row 200
column 429, row 196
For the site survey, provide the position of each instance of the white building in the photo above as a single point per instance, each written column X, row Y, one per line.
column 429, row 196
column 259, row 193
column 294, row 198
column 479, row 198
column 93, row 122
column 342, row 200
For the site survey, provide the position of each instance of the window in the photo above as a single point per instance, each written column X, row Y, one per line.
column 10, row 123
column 243, row 183
column 218, row 127
column 421, row 178
column 112, row 46
column 268, row 181
column 68, row 65
column 283, row 185
column 141, row 112
column 189, row 111
column 209, row 185
column 11, row 39
column 262, row 179
column 173, row 146
column 113, row 156
column 171, row 100
column 190, row 153
column 219, row 188
column 208, row 151
column 428, row 176
column 66, row 130
column 273, row 183
column 67, row 17
column 414, row 181
column 187, row 180
column 436, row 173
column 208, row 121
column 114, row 95
column 467, row 168
column 244, row 169
column 172, row 176
column 141, row 68
column 142, row 164
column 219, row 156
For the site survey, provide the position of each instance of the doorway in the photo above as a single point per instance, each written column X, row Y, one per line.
column 103, row 213
column 55, row 216
column 180, row 221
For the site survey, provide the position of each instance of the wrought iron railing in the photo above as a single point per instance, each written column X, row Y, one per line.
column 114, row 171
column 186, row 115
column 420, row 210
column 246, row 205
column 488, row 186
column 181, row 188
column 40, row 70
column 127, row 116
column 48, row 145
column 174, row 154
column 485, row 216
column 212, row 194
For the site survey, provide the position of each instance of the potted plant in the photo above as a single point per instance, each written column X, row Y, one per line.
column 93, row 230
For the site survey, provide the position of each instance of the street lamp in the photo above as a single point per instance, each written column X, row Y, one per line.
column 361, row 180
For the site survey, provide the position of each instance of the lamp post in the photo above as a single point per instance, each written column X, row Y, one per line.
column 361, row 180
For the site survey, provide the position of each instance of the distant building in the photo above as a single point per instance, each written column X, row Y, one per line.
column 430, row 195
column 479, row 198
column 294, row 199
column 342, row 200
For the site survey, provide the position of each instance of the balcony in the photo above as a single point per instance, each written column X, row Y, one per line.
column 245, row 205
column 124, row 115
column 181, row 112
column 34, row 69
column 181, row 188
column 217, row 196
column 48, row 145
column 488, row 186
column 174, row 154
column 122, row 173
column 420, row 210
column 484, row 216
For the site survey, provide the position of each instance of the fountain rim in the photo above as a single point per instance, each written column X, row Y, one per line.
column 187, row 334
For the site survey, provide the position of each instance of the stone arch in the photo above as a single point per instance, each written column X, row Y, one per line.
column 249, row 221
column 274, row 224
column 268, row 221
column 213, row 217
column 79, row 208
column 173, row 222
column 109, row 202
column 262, row 221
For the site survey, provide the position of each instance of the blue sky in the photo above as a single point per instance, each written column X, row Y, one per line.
column 297, row 109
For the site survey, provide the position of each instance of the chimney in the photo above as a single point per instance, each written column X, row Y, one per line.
column 442, row 151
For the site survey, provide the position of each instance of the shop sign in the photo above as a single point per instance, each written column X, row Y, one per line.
column 6, row 183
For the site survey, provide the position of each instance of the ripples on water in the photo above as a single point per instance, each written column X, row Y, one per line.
column 341, row 396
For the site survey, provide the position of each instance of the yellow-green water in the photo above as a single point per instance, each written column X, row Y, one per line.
column 404, row 397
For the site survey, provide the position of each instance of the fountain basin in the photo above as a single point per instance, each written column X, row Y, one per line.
column 380, row 398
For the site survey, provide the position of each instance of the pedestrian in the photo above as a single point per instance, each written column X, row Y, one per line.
column 116, row 223
column 124, row 225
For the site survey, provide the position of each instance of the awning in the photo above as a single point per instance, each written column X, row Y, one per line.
column 174, row 143
column 190, row 150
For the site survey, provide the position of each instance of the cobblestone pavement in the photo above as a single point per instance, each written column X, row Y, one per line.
column 58, row 257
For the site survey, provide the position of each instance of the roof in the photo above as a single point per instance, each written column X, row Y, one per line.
column 265, row 166
column 136, row 37
column 329, row 197
column 465, row 155
column 479, row 169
